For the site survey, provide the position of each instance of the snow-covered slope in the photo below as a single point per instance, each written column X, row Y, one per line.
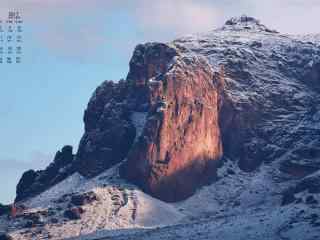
column 238, row 206
column 118, row 205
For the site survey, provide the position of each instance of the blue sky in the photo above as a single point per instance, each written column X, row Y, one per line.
column 70, row 47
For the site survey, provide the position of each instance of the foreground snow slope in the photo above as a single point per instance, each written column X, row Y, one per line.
column 238, row 206
column 118, row 206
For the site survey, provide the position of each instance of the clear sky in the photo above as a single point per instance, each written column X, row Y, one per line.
column 70, row 47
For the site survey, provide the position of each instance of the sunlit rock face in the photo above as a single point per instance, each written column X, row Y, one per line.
column 180, row 145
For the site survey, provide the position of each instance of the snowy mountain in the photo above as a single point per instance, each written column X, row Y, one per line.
column 211, row 136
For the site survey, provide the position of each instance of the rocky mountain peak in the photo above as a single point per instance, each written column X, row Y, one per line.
column 245, row 22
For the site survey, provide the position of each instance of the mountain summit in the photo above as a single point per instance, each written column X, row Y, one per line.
column 246, row 23
column 214, row 136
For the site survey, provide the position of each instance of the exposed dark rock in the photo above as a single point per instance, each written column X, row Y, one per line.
column 246, row 23
column 230, row 171
column 310, row 183
column 4, row 209
column 64, row 198
column 242, row 19
column 34, row 182
column 236, row 203
column 108, row 131
column 288, row 197
column 311, row 200
column 4, row 236
column 314, row 217
column 73, row 213
column 54, row 220
column 33, row 218
column 51, row 211
column 28, row 224
column 83, row 199
column 27, row 180
column 298, row 170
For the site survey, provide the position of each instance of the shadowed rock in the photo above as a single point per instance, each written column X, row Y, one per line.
column 108, row 131
column 34, row 182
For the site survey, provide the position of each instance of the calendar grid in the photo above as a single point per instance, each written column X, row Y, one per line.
column 11, row 38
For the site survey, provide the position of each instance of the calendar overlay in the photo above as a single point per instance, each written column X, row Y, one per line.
column 11, row 29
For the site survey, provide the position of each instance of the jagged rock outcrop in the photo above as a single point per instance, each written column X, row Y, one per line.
column 109, row 133
column 34, row 182
column 246, row 23
column 4, row 209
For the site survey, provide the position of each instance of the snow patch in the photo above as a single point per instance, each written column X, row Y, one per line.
column 139, row 120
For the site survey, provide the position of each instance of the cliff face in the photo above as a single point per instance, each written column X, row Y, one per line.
column 180, row 144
